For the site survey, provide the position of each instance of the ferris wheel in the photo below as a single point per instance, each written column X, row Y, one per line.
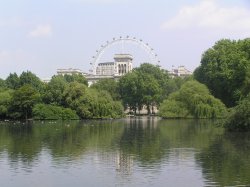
column 153, row 57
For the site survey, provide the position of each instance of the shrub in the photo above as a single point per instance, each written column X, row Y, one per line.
column 46, row 112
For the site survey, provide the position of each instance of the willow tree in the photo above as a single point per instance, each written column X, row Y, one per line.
column 193, row 100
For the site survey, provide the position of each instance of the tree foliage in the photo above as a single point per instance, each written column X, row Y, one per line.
column 109, row 85
column 225, row 69
column 192, row 100
column 75, row 78
column 12, row 81
column 31, row 79
column 2, row 83
column 239, row 118
column 5, row 100
column 145, row 85
column 22, row 102
column 89, row 103
column 54, row 91
column 51, row 112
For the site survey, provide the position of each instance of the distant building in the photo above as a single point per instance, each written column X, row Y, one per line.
column 107, row 68
column 122, row 64
column 181, row 71
column 69, row 71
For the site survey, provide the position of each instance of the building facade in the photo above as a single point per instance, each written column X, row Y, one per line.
column 181, row 71
column 69, row 71
column 123, row 63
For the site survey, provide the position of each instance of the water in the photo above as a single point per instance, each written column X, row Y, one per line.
column 129, row 152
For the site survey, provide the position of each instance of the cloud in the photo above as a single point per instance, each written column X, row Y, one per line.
column 41, row 31
column 209, row 15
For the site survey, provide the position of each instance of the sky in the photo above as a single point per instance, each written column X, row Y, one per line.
column 43, row 36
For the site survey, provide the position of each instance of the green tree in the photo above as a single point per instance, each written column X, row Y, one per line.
column 160, row 75
column 192, row 100
column 239, row 118
column 5, row 99
column 76, row 78
column 54, row 90
column 51, row 112
column 130, row 94
column 145, row 85
column 31, row 79
column 90, row 103
column 12, row 81
column 109, row 85
column 22, row 102
column 2, row 83
column 225, row 69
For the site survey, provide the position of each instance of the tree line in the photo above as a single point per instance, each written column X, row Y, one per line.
column 219, row 88
column 63, row 97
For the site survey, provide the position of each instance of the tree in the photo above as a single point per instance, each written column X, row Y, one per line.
column 225, row 69
column 31, row 79
column 129, row 91
column 51, row 112
column 193, row 100
column 109, row 85
column 89, row 103
column 54, row 90
column 5, row 99
column 239, row 120
column 160, row 75
column 22, row 102
column 12, row 81
column 145, row 85
column 76, row 78
column 2, row 83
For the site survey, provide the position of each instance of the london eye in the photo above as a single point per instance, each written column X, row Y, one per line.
column 148, row 50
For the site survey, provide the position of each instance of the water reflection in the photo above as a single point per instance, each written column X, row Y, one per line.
column 143, row 151
column 227, row 160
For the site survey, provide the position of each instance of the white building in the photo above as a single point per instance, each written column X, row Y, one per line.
column 69, row 71
column 122, row 64
column 107, row 68
column 181, row 71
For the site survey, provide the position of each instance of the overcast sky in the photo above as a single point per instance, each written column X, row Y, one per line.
column 42, row 36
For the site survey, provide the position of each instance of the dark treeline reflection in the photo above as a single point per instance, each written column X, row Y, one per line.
column 148, row 142
column 227, row 160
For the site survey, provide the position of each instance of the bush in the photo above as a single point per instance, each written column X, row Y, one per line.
column 239, row 118
column 50, row 112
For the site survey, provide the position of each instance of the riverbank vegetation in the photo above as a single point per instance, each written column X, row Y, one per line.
column 64, row 97
column 225, row 70
column 220, row 84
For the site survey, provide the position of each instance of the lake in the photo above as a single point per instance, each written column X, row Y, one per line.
column 143, row 151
